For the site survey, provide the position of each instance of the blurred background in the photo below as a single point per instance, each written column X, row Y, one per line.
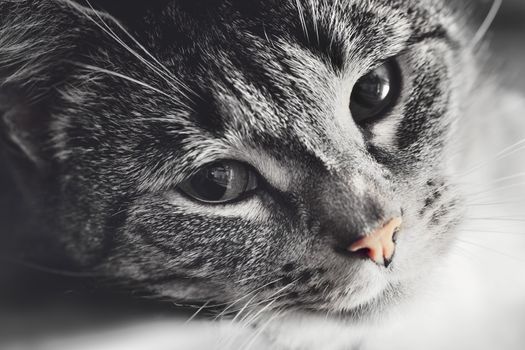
column 508, row 41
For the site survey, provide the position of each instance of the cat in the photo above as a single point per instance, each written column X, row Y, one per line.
column 233, row 153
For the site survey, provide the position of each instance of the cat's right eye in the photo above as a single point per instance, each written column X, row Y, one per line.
column 376, row 93
column 221, row 182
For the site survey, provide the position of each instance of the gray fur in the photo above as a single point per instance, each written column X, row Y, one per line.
column 121, row 125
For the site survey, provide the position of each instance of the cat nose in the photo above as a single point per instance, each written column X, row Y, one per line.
column 379, row 245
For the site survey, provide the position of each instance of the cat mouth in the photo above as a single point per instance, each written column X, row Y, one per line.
column 355, row 305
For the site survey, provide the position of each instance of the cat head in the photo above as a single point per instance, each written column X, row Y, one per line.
column 232, row 151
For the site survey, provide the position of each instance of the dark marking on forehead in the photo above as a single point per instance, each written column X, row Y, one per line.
column 206, row 113
column 244, row 56
column 368, row 29
column 319, row 39
column 437, row 33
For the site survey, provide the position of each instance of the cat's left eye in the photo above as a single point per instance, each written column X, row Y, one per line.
column 376, row 93
column 221, row 182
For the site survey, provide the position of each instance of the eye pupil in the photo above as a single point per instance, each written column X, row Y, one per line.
column 212, row 182
column 220, row 182
column 375, row 93
column 374, row 88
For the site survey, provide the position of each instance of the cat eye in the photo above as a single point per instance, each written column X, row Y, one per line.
column 221, row 182
column 376, row 93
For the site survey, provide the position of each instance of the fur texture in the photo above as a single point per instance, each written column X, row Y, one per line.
column 115, row 115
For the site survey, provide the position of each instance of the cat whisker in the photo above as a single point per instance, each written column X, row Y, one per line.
column 207, row 305
column 261, row 329
column 505, row 153
column 125, row 77
column 247, row 306
column 255, row 277
column 506, row 178
column 27, row 67
column 491, row 250
column 496, row 181
column 253, row 313
column 269, row 298
column 106, row 29
column 50, row 270
column 239, row 312
column 252, row 307
column 493, row 204
column 314, row 19
column 192, row 317
column 485, row 26
column 168, row 74
column 332, row 22
column 267, row 37
column 302, row 19
column 508, row 219
column 496, row 189
column 277, row 296
column 232, row 304
column 492, row 232
column 479, row 202
column 465, row 253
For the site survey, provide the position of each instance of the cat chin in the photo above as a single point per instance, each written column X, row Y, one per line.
column 341, row 326
column 367, row 304
column 370, row 287
column 355, row 290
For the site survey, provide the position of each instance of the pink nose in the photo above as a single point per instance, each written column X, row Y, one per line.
column 379, row 246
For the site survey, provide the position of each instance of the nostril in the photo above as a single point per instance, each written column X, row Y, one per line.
column 378, row 246
column 362, row 253
column 395, row 235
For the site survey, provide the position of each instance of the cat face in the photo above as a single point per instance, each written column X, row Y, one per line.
column 232, row 160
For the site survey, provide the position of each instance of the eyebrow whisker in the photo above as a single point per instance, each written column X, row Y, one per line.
column 487, row 23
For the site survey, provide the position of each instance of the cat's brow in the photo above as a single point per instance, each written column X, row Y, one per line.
column 329, row 39
column 437, row 33
column 319, row 40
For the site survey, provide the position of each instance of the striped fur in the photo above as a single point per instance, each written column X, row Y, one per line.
column 121, row 113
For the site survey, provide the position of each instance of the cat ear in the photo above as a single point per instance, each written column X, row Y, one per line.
column 28, row 61
column 37, row 38
column 22, row 128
